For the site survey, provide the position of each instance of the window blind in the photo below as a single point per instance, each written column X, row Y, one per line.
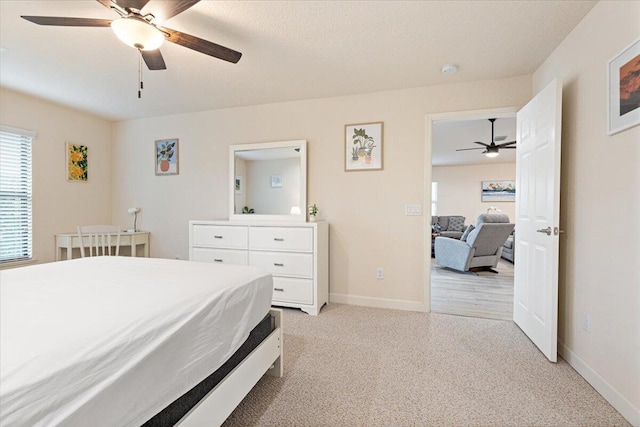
column 15, row 195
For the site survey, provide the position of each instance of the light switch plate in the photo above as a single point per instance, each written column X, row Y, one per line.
column 414, row 210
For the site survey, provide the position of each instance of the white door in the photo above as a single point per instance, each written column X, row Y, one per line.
column 535, row 304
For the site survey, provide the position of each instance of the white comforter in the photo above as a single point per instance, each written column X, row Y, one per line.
column 113, row 340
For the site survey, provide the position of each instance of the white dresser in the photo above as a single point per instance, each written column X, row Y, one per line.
column 295, row 253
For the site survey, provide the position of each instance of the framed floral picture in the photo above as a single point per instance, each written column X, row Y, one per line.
column 167, row 156
column 363, row 147
column 77, row 162
column 624, row 89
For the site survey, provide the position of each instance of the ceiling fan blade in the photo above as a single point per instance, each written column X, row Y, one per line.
column 105, row 3
column 481, row 143
column 131, row 4
column 201, row 45
column 465, row 149
column 68, row 22
column 153, row 59
column 506, row 144
column 507, row 148
column 166, row 9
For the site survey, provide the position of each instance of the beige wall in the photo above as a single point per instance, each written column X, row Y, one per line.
column 365, row 209
column 60, row 206
column 460, row 189
column 600, row 210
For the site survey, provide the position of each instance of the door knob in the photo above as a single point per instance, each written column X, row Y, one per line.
column 547, row 231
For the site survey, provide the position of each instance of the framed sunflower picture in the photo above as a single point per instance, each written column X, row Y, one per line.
column 77, row 162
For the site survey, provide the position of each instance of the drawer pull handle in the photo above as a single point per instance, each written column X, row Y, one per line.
column 278, row 239
column 278, row 289
column 217, row 260
column 217, row 237
column 277, row 264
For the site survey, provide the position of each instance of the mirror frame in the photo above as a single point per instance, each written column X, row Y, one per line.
column 302, row 217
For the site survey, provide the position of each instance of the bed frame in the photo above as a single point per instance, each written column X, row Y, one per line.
column 220, row 402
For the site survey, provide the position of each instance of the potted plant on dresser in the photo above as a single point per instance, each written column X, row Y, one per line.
column 313, row 213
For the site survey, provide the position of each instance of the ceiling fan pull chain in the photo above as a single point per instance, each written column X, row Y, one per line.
column 140, row 84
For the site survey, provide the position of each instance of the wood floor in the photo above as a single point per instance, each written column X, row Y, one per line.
column 488, row 295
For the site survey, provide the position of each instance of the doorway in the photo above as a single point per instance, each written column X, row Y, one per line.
column 458, row 178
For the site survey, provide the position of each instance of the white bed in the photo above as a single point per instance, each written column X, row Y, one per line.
column 113, row 340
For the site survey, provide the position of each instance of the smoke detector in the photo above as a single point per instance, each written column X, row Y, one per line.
column 449, row 69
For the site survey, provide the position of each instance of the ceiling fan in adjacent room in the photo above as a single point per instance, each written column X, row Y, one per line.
column 493, row 149
column 138, row 27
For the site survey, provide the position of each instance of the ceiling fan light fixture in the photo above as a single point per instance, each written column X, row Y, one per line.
column 491, row 152
column 137, row 33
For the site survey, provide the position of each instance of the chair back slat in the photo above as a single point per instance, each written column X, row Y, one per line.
column 99, row 240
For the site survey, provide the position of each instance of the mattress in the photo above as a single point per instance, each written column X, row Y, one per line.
column 113, row 340
column 173, row 413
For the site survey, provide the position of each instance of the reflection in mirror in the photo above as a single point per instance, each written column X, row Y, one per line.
column 269, row 179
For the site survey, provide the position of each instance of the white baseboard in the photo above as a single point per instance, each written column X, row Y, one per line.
column 396, row 304
column 613, row 396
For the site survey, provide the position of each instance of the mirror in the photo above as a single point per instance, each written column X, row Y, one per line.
column 268, row 181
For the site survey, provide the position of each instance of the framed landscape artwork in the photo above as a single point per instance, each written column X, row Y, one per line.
column 498, row 191
column 167, row 157
column 238, row 184
column 276, row 181
column 624, row 89
column 363, row 146
column 77, row 162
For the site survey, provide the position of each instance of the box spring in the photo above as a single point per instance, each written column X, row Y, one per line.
column 170, row 415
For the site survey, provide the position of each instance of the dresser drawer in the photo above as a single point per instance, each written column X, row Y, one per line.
column 283, row 263
column 220, row 236
column 281, row 239
column 220, row 256
column 286, row 289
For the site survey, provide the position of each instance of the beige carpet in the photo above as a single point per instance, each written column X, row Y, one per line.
column 359, row 366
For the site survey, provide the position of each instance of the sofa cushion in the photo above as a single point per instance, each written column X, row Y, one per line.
column 509, row 242
column 467, row 230
column 456, row 223
column 451, row 234
column 444, row 222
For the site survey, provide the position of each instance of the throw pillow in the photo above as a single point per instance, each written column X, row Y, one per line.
column 456, row 223
column 467, row 230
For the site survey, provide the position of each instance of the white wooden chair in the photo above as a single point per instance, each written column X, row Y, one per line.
column 102, row 240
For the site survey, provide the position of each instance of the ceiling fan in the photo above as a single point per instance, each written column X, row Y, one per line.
column 137, row 26
column 493, row 149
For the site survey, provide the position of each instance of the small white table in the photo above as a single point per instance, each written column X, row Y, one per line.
column 66, row 242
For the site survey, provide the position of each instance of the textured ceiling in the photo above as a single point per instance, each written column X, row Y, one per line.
column 292, row 50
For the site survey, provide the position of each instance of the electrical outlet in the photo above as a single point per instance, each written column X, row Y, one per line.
column 380, row 273
column 586, row 322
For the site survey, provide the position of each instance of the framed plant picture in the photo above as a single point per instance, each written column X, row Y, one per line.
column 498, row 191
column 167, row 156
column 624, row 89
column 363, row 146
column 77, row 162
